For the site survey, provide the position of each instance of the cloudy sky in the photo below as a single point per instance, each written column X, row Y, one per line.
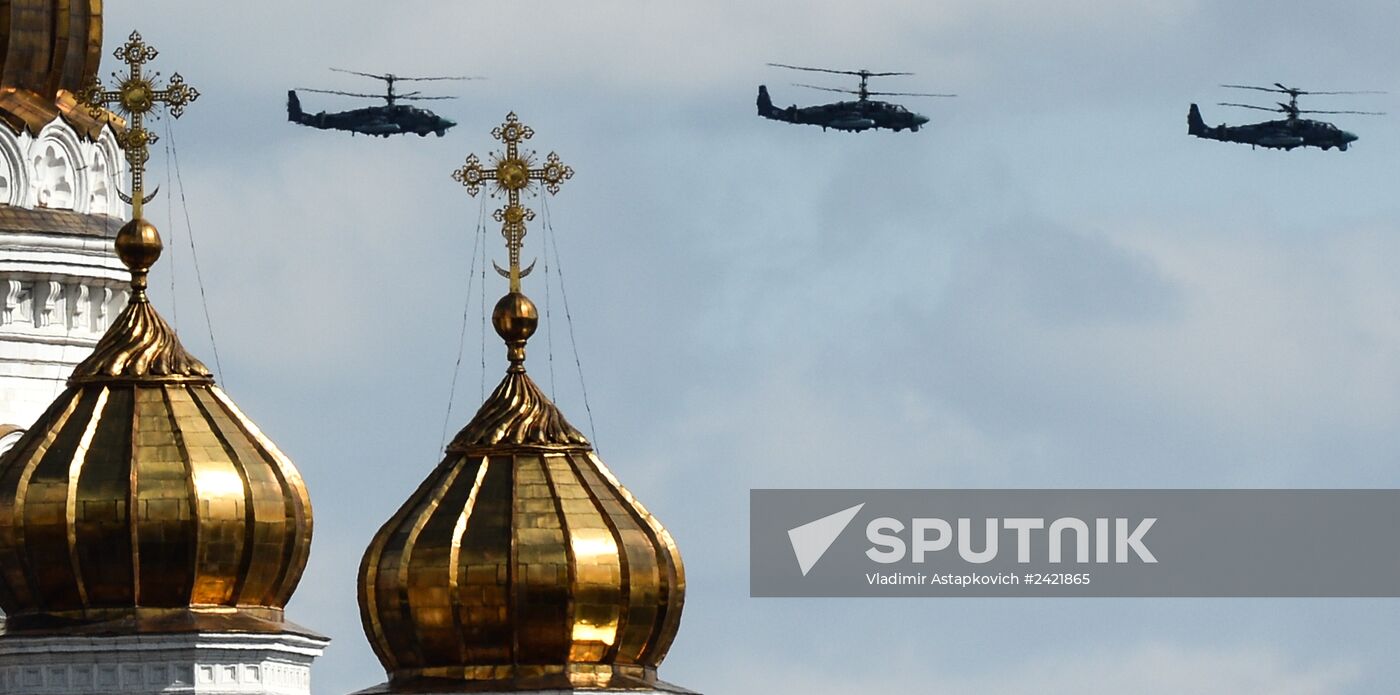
column 1052, row 285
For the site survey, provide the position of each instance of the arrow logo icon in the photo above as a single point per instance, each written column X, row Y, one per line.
column 810, row 541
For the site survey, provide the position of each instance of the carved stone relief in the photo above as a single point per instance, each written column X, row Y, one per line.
column 53, row 177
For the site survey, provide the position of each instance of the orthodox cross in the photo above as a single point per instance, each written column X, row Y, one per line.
column 135, row 96
column 513, row 172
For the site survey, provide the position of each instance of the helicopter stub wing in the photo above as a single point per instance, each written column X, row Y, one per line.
column 854, row 125
column 1281, row 141
column 378, row 128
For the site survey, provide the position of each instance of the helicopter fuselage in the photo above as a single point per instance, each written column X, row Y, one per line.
column 1284, row 134
column 382, row 121
column 850, row 116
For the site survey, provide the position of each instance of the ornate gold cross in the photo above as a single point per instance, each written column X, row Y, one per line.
column 512, row 173
column 136, row 95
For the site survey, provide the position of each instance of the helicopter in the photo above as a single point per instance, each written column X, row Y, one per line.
column 1285, row 134
column 853, row 116
column 392, row 118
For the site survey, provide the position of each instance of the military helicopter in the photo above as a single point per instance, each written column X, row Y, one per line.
column 1284, row 134
column 391, row 119
column 853, row 116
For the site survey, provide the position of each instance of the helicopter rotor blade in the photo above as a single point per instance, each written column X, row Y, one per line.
column 363, row 74
column 907, row 94
column 1300, row 92
column 390, row 76
column 1366, row 91
column 1250, row 106
column 857, row 73
column 417, row 96
column 344, row 94
column 799, row 67
column 422, row 98
column 437, row 79
column 1358, row 113
column 1280, row 88
column 1261, row 89
column 826, row 89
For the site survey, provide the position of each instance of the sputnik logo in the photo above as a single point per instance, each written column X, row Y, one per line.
column 811, row 540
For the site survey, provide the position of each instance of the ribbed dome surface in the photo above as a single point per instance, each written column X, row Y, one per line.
column 521, row 562
column 49, row 49
column 143, row 500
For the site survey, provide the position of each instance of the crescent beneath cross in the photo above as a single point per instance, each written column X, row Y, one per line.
column 506, row 273
column 144, row 199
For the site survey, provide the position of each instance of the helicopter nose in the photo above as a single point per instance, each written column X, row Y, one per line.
column 921, row 119
column 1348, row 137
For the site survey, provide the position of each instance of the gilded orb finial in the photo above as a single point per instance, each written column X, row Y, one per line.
column 138, row 247
column 512, row 172
column 515, row 319
column 135, row 96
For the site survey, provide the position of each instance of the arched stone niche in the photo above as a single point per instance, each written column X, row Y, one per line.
column 104, row 159
column 14, row 178
column 55, row 159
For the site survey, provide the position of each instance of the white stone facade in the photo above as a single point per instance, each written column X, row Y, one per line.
column 60, row 280
column 193, row 664
column 57, row 170
column 57, row 295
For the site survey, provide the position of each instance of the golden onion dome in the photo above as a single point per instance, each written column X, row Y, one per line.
column 49, row 51
column 521, row 563
column 143, row 500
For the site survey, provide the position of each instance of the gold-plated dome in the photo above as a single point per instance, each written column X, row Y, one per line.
column 143, row 500
column 520, row 563
column 49, row 50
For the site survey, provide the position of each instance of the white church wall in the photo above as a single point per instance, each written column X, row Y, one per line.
column 58, row 288
column 191, row 664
